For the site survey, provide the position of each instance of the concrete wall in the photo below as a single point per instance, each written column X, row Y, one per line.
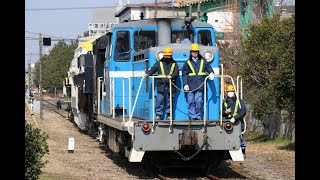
column 148, row 12
column 279, row 125
column 221, row 20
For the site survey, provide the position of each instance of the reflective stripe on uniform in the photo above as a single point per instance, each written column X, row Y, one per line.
column 201, row 73
column 172, row 68
column 162, row 69
column 235, row 112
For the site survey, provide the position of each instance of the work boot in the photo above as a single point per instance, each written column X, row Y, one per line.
column 158, row 117
column 168, row 117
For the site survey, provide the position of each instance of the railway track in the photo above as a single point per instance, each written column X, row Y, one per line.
column 51, row 106
column 182, row 174
column 209, row 176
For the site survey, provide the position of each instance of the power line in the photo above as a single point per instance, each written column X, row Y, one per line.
column 37, row 39
column 70, row 8
column 37, row 33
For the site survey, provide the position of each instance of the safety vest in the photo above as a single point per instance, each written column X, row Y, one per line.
column 235, row 112
column 201, row 73
column 67, row 83
column 162, row 69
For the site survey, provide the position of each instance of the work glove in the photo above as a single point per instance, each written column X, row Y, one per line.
column 169, row 77
column 186, row 87
column 228, row 111
column 146, row 75
column 211, row 76
column 232, row 120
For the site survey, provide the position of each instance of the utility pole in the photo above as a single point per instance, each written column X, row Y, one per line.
column 40, row 81
column 190, row 9
column 156, row 9
column 30, row 79
column 198, row 13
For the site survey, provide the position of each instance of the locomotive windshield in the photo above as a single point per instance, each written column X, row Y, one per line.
column 204, row 38
column 187, row 36
column 182, row 36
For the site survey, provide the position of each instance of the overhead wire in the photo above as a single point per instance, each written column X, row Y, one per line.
column 65, row 8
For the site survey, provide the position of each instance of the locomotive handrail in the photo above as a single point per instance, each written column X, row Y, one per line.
column 134, row 105
column 222, row 77
column 113, row 98
column 99, row 80
column 113, row 101
column 222, row 94
column 205, row 91
column 129, row 94
column 205, row 102
column 102, row 87
column 239, row 80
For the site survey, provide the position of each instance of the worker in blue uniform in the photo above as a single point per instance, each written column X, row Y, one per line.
column 194, row 72
column 231, row 109
column 119, row 50
column 168, row 68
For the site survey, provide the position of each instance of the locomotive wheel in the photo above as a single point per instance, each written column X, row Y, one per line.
column 71, row 118
column 92, row 129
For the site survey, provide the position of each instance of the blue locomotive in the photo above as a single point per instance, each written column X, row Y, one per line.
column 111, row 99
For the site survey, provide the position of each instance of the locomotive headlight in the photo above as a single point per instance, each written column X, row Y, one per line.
column 208, row 55
column 159, row 55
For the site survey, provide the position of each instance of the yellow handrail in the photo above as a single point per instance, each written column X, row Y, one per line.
column 32, row 115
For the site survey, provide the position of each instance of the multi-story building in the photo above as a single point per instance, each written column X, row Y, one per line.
column 149, row 10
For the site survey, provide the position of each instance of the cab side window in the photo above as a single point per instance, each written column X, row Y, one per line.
column 144, row 40
column 122, row 46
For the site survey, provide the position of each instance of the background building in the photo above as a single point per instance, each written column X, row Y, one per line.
column 149, row 10
column 102, row 20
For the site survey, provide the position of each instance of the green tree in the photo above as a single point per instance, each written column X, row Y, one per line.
column 55, row 65
column 36, row 147
column 86, row 34
column 267, row 65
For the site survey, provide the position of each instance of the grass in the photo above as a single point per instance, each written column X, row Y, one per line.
column 282, row 143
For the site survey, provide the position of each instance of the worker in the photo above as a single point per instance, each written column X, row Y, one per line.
column 119, row 50
column 168, row 68
column 231, row 109
column 58, row 104
column 194, row 71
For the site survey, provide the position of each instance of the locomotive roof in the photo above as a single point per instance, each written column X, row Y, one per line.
column 152, row 22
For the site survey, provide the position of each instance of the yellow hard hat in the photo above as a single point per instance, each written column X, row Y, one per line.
column 195, row 47
column 230, row 88
column 167, row 51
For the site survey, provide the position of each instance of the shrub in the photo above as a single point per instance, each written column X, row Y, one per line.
column 35, row 148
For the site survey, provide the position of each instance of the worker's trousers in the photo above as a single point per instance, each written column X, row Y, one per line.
column 163, row 99
column 195, row 104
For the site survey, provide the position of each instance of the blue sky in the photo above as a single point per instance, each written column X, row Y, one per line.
column 59, row 23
